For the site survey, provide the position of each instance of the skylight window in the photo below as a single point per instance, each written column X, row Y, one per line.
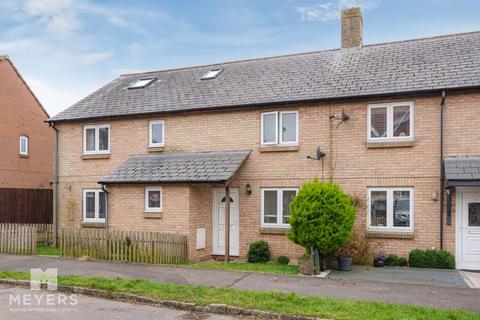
column 212, row 74
column 141, row 83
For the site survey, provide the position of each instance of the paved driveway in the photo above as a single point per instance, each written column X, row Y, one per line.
column 445, row 297
column 81, row 307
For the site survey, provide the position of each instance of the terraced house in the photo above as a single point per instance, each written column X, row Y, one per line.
column 395, row 124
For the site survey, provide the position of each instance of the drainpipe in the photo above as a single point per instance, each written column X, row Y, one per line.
column 55, row 183
column 442, row 166
column 106, row 207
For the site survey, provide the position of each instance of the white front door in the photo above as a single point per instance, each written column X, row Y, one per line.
column 468, row 228
column 219, row 222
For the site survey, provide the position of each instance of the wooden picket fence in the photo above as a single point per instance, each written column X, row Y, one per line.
column 18, row 238
column 44, row 233
column 123, row 245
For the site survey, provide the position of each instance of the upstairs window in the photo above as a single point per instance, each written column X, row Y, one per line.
column 390, row 209
column 211, row 74
column 279, row 128
column 94, row 205
column 141, row 83
column 96, row 139
column 390, row 122
column 24, row 145
column 276, row 206
column 156, row 133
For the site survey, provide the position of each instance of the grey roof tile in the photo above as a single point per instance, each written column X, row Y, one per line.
column 178, row 167
column 462, row 168
column 445, row 62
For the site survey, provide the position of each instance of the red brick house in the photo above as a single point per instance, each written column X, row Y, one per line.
column 26, row 144
column 159, row 150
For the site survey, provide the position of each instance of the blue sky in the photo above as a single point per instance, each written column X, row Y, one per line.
column 67, row 48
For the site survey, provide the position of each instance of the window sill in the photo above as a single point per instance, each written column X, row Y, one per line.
column 278, row 148
column 390, row 144
column 156, row 149
column 274, row 230
column 95, row 156
column 390, row 234
column 152, row 215
column 99, row 225
column 26, row 156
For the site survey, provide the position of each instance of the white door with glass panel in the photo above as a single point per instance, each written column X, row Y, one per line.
column 219, row 202
column 468, row 250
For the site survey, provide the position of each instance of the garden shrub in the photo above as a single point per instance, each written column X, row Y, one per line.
column 431, row 259
column 402, row 262
column 258, row 252
column 283, row 260
column 363, row 254
column 321, row 216
column 392, row 260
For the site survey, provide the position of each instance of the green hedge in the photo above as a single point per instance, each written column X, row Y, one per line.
column 431, row 259
column 258, row 252
column 394, row 261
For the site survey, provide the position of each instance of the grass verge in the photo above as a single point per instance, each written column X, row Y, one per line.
column 268, row 301
column 245, row 266
column 48, row 251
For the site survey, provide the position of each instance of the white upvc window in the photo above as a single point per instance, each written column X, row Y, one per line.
column 153, row 199
column 23, row 148
column 390, row 209
column 96, row 139
column 390, row 122
column 275, row 204
column 156, row 133
column 279, row 128
column 94, row 205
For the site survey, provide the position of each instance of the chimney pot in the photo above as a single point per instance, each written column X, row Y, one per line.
column 352, row 28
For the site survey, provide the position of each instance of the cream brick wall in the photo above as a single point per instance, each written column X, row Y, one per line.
column 356, row 167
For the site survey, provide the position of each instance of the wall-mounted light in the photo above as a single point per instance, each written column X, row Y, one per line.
column 434, row 196
column 248, row 189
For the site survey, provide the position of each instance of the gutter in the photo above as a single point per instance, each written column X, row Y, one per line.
column 442, row 169
column 106, row 211
column 55, row 183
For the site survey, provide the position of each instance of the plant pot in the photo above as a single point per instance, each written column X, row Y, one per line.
column 378, row 262
column 344, row 263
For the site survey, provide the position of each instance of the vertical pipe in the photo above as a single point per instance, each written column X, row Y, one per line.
column 442, row 166
column 55, row 184
column 227, row 223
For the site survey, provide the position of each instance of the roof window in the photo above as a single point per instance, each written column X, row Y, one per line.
column 211, row 74
column 141, row 83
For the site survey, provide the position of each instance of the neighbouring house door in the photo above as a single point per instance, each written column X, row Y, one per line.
column 469, row 229
column 219, row 222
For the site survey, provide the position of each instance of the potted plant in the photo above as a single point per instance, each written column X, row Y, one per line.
column 379, row 257
column 345, row 255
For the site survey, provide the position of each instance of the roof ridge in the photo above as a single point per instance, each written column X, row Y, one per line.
column 298, row 54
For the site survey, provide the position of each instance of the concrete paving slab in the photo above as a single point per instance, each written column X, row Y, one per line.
column 472, row 278
column 403, row 275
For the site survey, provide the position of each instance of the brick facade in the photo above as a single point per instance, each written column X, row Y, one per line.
column 22, row 115
column 356, row 166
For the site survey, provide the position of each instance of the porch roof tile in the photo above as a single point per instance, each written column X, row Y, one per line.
column 195, row 167
column 462, row 168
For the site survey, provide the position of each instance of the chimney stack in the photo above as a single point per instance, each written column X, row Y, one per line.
column 352, row 28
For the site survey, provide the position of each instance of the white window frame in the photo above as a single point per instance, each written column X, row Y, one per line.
column 97, row 206
column 389, row 226
column 279, row 223
column 278, row 133
column 390, row 106
column 23, row 153
column 97, row 139
column 147, row 208
column 150, row 132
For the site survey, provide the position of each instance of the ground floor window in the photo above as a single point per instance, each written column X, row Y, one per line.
column 153, row 199
column 276, row 206
column 94, row 205
column 390, row 209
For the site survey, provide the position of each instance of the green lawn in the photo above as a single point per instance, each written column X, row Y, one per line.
column 245, row 266
column 268, row 301
column 43, row 250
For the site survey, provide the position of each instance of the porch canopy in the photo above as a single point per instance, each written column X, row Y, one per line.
column 178, row 167
column 462, row 171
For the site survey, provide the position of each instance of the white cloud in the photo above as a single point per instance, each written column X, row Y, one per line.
column 330, row 10
column 94, row 57
column 54, row 99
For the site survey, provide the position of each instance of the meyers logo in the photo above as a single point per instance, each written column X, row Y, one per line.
column 47, row 277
